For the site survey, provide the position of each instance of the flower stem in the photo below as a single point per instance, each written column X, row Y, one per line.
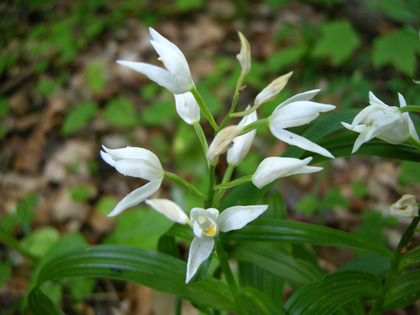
column 208, row 203
column 184, row 184
column 393, row 270
column 226, row 178
column 11, row 242
column 224, row 264
column 236, row 182
column 234, row 101
column 201, row 136
column 204, row 108
column 410, row 108
column 414, row 142
column 255, row 125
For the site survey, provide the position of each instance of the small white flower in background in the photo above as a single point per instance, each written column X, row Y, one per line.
column 271, row 91
column 187, row 107
column 297, row 111
column 242, row 144
column 207, row 223
column 379, row 120
column 222, row 142
column 177, row 77
column 244, row 55
column 136, row 162
column 272, row 168
column 405, row 207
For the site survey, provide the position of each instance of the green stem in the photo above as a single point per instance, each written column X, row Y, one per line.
column 393, row 270
column 414, row 142
column 204, row 108
column 208, row 203
column 235, row 182
column 234, row 101
column 224, row 264
column 410, row 108
column 226, row 177
column 245, row 112
column 178, row 305
column 184, row 184
column 255, row 125
column 11, row 242
column 201, row 136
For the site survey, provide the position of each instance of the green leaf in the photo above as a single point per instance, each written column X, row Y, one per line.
column 338, row 41
column 372, row 263
column 158, row 113
column 155, row 270
column 285, row 58
column 5, row 271
column 96, row 76
column 299, row 232
column 256, row 302
column 404, row 291
column 120, row 112
column 78, row 117
column 41, row 241
column 332, row 292
column 411, row 259
column 4, row 107
column 40, row 304
column 399, row 49
column 187, row 5
column 276, row 260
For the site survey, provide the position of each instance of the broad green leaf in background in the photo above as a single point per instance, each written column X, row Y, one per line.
column 338, row 41
column 285, row 58
column 372, row 263
column 187, row 5
column 255, row 302
column 332, row 292
column 399, row 49
column 95, row 76
column 159, row 112
column 41, row 241
column 120, row 112
column 409, row 260
column 78, row 117
column 155, row 270
column 404, row 291
column 299, row 232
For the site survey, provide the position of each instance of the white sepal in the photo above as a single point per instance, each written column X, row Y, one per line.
column 187, row 107
column 235, row 218
column 244, row 55
column 200, row 250
column 170, row 209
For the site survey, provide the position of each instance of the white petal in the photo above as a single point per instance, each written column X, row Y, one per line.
column 235, row 218
column 133, row 153
column 170, row 209
column 244, row 55
column 107, row 158
column 299, row 141
column 200, row 250
column 136, row 196
column 164, row 41
column 373, row 100
column 187, row 107
column 272, row 168
column 305, row 96
column 411, row 127
column 139, row 168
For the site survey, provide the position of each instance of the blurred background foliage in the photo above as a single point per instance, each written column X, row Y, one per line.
column 62, row 96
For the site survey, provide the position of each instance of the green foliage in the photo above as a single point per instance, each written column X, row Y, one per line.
column 120, row 112
column 285, row 58
column 402, row 11
column 25, row 212
column 78, row 117
column 311, row 204
column 409, row 173
column 139, row 227
column 399, row 49
column 188, row 5
column 338, row 41
column 359, row 188
column 404, row 291
column 4, row 107
column 41, row 241
column 96, row 76
column 82, row 192
column 106, row 204
column 373, row 226
column 159, row 112
column 5, row 271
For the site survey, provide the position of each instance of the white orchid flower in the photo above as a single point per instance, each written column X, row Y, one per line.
column 406, row 207
column 272, row 168
column 242, row 144
column 177, row 77
column 136, row 162
column 298, row 111
column 271, row 91
column 187, row 107
column 379, row 120
column 244, row 55
column 207, row 223
column 222, row 142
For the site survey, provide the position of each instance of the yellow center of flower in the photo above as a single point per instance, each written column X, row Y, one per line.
column 207, row 226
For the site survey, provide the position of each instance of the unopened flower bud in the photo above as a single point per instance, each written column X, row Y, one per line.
column 271, row 91
column 244, row 55
column 222, row 142
column 405, row 207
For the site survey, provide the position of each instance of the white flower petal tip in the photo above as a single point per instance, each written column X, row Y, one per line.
column 244, row 55
column 170, row 209
column 273, row 168
column 378, row 120
column 271, row 91
column 235, row 218
column 176, row 77
column 200, row 250
column 406, row 207
column 242, row 144
column 136, row 162
column 187, row 107
column 222, row 142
